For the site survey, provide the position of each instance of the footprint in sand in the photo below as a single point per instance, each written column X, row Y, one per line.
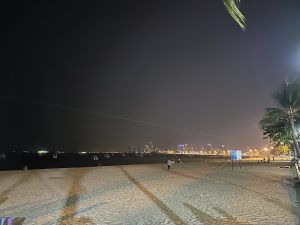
column 3, row 199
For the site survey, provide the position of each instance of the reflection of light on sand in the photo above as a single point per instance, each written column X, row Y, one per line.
column 190, row 193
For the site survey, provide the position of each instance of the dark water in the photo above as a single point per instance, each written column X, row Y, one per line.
column 15, row 161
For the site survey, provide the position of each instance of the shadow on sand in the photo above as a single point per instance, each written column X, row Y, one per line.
column 67, row 215
column 24, row 177
column 206, row 219
column 286, row 206
column 296, row 210
column 163, row 207
column 294, row 193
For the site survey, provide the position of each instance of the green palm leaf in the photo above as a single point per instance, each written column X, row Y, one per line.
column 232, row 8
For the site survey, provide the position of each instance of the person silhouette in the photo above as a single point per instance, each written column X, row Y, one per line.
column 169, row 163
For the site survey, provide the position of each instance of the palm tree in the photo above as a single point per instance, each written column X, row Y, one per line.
column 284, row 117
column 277, row 132
column 232, row 8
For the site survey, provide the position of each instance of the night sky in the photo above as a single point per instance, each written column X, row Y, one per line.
column 103, row 75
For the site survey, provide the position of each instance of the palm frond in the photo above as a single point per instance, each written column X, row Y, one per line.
column 273, row 116
column 236, row 14
column 288, row 96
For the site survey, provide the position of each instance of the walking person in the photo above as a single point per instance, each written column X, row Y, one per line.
column 169, row 163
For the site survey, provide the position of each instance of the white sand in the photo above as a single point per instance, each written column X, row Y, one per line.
column 191, row 193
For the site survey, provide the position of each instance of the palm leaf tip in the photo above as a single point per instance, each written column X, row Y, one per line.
column 236, row 14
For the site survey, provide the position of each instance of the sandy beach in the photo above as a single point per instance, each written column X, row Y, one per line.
column 190, row 193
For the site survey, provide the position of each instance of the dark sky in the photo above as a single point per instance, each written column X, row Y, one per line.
column 103, row 75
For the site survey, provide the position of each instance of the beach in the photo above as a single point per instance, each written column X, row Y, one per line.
column 190, row 193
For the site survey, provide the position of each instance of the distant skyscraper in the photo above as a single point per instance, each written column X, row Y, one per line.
column 181, row 148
